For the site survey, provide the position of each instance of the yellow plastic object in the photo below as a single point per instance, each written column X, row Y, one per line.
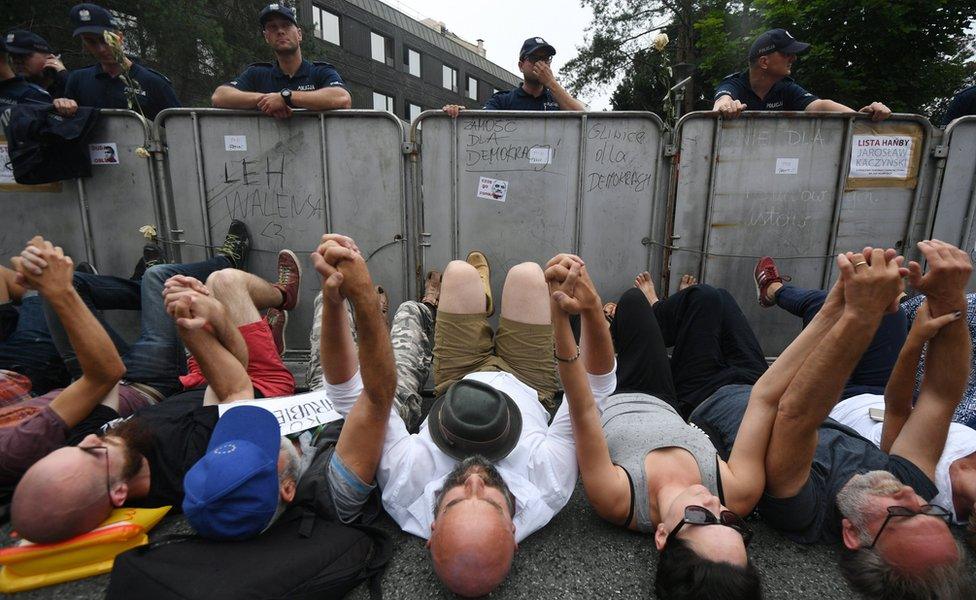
column 28, row 566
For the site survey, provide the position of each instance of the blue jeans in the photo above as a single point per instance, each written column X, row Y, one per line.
column 871, row 375
column 156, row 358
column 29, row 349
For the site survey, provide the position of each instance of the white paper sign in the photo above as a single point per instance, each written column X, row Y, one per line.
column 6, row 170
column 540, row 155
column 294, row 413
column 235, row 143
column 492, row 189
column 881, row 156
column 787, row 166
column 103, row 154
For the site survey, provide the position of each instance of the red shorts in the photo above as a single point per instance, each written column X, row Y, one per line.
column 268, row 374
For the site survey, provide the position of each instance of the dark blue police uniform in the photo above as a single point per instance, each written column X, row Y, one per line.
column 267, row 78
column 18, row 90
column 92, row 86
column 785, row 94
column 964, row 103
column 519, row 99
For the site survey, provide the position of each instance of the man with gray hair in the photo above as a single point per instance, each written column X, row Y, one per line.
column 826, row 483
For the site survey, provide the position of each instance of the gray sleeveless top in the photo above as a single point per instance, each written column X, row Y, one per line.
column 637, row 424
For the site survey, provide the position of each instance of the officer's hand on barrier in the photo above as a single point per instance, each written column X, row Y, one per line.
column 453, row 110
column 877, row 110
column 944, row 285
column 732, row 109
column 44, row 267
column 274, row 105
column 66, row 107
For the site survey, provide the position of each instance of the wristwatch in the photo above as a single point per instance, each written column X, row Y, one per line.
column 286, row 95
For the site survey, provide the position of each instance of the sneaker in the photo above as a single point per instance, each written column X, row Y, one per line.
column 432, row 291
column 236, row 244
column 152, row 255
column 478, row 260
column 277, row 321
column 85, row 267
column 289, row 279
column 384, row 300
column 765, row 275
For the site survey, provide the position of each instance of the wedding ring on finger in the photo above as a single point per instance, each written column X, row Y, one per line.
column 859, row 263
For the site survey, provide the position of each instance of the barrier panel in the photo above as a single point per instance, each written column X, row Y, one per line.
column 797, row 187
column 289, row 181
column 98, row 218
column 954, row 206
column 523, row 187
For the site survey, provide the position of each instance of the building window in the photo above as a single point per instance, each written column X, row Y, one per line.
column 411, row 58
column 472, row 88
column 413, row 111
column 382, row 102
column 381, row 48
column 326, row 25
column 450, row 78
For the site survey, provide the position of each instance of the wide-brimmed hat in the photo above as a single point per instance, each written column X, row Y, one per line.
column 474, row 418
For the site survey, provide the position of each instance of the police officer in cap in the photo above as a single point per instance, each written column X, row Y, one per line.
column 291, row 82
column 35, row 61
column 100, row 85
column 766, row 84
column 539, row 90
column 14, row 89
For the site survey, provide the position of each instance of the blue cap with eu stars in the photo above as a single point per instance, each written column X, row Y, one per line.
column 91, row 18
column 232, row 492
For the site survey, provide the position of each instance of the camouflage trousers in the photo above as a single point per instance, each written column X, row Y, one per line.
column 412, row 335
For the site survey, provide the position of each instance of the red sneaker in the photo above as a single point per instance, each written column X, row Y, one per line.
column 765, row 275
column 277, row 321
column 289, row 279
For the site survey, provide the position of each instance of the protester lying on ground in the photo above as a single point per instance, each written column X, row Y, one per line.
column 766, row 84
column 485, row 470
column 141, row 461
column 26, row 346
column 539, row 91
column 824, row 482
column 291, row 82
column 642, row 466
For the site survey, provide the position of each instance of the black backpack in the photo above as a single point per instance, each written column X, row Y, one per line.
column 44, row 146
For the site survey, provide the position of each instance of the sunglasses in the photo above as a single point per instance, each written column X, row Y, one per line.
column 108, row 478
column 699, row 515
column 930, row 510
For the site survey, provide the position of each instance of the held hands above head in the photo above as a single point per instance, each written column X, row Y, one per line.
column 877, row 110
column 944, row 285
column 190, row 304
column 44, row 267
column 926, row 326
column 343, row 269
column 871, row 283
column 570, row 286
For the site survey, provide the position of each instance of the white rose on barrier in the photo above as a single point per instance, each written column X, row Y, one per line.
column 660, row 41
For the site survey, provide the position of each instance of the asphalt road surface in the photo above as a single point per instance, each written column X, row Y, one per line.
column 576, row 556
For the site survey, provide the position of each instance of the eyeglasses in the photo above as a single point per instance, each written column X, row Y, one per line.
column 535, row 59
column 904, row 511
column 699, row 515
column 108, row 478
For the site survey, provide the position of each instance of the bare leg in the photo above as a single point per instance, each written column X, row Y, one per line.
column 525, row 297
column 462, row 292
column 243, row 294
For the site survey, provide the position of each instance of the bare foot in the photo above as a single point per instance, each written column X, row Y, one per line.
column 610, row 311
column 644, row 283
column 687, row 281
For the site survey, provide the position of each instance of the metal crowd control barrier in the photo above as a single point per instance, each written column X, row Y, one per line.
column 289, row 181
column 954, row 201
column 797, row 187
column 523, row 187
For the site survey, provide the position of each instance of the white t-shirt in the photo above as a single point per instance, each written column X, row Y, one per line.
column 961, row 441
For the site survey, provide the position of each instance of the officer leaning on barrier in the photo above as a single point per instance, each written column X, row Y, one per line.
column 539, row 90
column 291, row 82
column 34, row 60
column 766, row 84
column 14, row 89
column 100, row 85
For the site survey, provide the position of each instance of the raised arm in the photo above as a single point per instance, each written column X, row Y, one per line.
column 947, row 362
column 596, row 345
column 606, row 485
column 45, row 268
column 869, row 289
column 227, row 334
column 563, row 98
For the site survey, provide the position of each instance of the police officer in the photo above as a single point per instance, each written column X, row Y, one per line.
column 35, row 61
column 963, row 103
column 14, row 89
column 539, row 90
column 100, row 85
column 766, row 84
column 291, row 82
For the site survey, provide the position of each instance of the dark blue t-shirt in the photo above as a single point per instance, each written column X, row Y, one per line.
column 519, row 99
column 18, row 90
column 963, row 104
column 92, row 86
column 811, row 515
column 785, row 94
column 266, row 78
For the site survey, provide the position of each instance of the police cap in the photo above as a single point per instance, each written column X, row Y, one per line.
column 91, row 18
column 277, row 9
column 21, row 41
